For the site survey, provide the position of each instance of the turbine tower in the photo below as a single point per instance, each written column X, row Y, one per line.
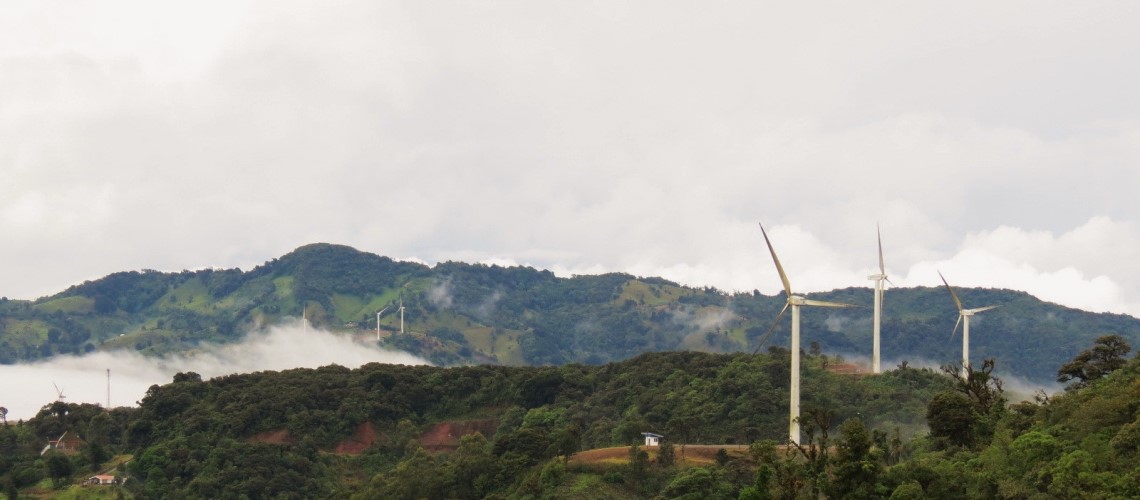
column 963, row 318
column 378, row 322
column 878, row 279
column 401, row 315
column 794, row 302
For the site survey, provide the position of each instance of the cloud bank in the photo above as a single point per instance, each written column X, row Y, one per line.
column 83, row 378
column 998, row 143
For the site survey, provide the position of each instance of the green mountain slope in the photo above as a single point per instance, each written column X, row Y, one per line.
column 271, row 434
column 457, row 313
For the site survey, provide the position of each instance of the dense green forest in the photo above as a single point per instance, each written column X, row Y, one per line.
column 201, row 438
column 522, row 432
column 458, row 314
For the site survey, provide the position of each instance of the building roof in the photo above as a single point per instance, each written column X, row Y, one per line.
column 650, row 434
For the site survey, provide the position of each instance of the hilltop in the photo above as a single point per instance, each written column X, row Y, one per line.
column 458, row 313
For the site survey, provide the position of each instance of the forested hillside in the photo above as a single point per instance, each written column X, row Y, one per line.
column 384, row 431
column 456, row 313
column 267, row 434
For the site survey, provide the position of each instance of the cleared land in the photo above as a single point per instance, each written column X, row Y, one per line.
column 696, row 454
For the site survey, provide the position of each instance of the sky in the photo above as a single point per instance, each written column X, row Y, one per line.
column 996, row 142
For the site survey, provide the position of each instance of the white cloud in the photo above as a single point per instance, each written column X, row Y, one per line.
column 83, row 378
column 647, row 137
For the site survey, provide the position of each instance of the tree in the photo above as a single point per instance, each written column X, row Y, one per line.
column 95, row 454
column 1106, row 356
column 856, row 469
column 950, row 416
column 665, row 454
column 4, row 414
column 985, row 393
column 59, row 468
column 816, row 422
column 638, row 464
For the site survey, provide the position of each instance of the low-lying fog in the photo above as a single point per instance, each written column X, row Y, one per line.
column 25, row 388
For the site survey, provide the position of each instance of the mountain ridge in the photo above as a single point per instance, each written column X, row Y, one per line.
column 461, row 313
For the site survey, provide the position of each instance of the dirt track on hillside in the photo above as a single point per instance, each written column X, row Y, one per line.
column 692, row 453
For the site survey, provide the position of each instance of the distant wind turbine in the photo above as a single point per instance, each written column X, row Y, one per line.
column 878, row 279
column 963, row 318
column 378, row 322
column 58, row 392
column 401, row 315
column 794, row 302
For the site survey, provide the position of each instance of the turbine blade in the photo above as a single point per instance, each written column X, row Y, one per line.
column 980, row 309
column 956, row 323
column 882, row 268
column 952, row 294
column 764, row 338
column 779, row 268
column 822, row 303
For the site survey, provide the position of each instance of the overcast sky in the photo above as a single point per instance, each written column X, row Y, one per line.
column 998, row 142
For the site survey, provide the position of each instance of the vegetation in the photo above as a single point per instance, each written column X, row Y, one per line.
column 284, row 434
column 458, row 314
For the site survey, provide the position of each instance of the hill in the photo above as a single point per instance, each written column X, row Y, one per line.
column 286, row 433
column 384, row 431
column 457, row 313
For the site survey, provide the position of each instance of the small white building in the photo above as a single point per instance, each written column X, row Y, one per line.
column 652, row 439
column 101, row 479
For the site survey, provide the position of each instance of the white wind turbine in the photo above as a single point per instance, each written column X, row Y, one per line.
column 878, row 279
column 378, row 321
column 794, row 302
column 963, row 318
column 401, row 315
column 58, row 392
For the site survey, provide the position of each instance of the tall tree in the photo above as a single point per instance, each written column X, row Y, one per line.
column 59, row 468
column 1105, row 356
column 855, row 467
column 950, row 416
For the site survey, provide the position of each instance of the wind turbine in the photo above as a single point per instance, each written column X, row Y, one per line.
column 878, row 279
column 378, row 321
column 794, row 302
column 58, row 392
column 963, row 318
column 401, row 315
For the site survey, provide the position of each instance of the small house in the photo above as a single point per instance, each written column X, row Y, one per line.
column 652, row 439
column 67, row 443
column 101, row 479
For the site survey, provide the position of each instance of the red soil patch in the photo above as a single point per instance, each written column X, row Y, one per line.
column 444, row 436
column 441, row 437
column 845, row 369
column 360, row 440
column 273, row 437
